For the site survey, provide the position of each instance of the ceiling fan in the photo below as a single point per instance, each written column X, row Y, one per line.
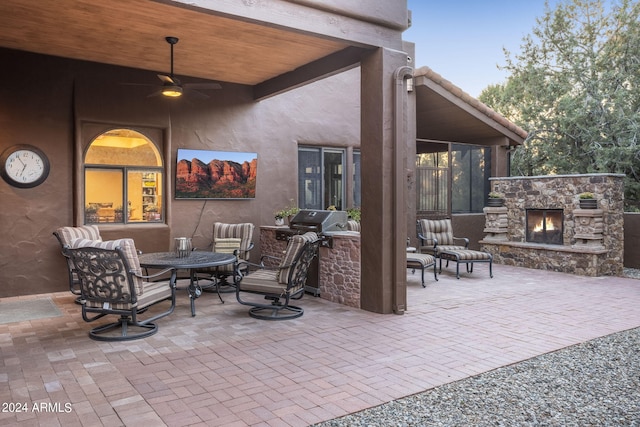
column 173, row 88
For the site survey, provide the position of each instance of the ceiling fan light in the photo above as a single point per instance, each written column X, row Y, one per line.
column 172, row 91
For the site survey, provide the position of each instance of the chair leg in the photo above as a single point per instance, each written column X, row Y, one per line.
column 195, row 290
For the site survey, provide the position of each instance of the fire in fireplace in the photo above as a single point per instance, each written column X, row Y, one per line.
column 545, row 226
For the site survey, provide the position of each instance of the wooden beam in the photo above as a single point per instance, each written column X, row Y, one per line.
column 358, row 23
column 329, row 65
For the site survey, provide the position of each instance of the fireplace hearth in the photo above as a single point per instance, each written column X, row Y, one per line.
column 545, row 226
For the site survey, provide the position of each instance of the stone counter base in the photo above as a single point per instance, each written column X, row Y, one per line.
column 337, row 276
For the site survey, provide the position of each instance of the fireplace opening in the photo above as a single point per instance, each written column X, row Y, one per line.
column 545, row 226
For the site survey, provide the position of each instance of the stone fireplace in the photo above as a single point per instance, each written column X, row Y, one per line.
column 542, row 226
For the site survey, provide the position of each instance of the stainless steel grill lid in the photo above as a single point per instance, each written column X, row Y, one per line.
column 320, row 221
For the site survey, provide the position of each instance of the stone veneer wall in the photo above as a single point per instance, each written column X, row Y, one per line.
column 339, row 266
column 340, row 270
column 596, row 252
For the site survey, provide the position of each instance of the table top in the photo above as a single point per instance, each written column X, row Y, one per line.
column 196, row 259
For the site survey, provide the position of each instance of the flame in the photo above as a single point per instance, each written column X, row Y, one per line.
column 540, row 226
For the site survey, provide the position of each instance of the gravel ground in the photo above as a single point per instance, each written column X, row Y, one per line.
column 634, row 273
column 596, row 383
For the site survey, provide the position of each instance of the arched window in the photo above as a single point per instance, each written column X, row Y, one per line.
column 123, row 179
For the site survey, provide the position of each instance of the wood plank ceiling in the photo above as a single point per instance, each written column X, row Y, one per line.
column 132, row 33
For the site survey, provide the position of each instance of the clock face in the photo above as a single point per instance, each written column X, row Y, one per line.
column 24, row 166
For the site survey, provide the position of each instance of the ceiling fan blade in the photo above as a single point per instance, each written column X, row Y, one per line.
column 169, row 79
column 210, row 86
column 191, row 93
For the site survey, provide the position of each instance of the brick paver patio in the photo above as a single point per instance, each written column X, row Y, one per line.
column 223, row 368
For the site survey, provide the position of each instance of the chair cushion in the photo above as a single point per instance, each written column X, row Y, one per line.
column 225, row 245
column 469, row 255
column 68, row 234
column 263, row 281
column 424, row 260
column 353, row 225
column 440, row 229
column 129, row 250
column 242, row 231
column 294, row 246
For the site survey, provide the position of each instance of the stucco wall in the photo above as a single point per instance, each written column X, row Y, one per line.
column 57, row 104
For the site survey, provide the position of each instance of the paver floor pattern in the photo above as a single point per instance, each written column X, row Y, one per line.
column 224, row 368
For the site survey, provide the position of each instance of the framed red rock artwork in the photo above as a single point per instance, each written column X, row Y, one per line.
column 206, row 174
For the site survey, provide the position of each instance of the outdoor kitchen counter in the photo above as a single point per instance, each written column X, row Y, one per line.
column 339, row 266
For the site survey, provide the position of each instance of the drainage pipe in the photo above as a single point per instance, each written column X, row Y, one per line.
column 399, row 285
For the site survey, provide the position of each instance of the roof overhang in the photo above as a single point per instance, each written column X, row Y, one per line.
column 446, row 113
column 272, row 46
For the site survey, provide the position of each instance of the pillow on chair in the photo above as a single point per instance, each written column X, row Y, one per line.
column 226, row 245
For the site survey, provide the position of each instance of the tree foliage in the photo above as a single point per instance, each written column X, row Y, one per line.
column 575, row 87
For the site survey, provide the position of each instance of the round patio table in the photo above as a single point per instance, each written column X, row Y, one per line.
column 195, row 260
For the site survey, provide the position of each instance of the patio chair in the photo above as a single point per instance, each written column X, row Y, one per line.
column 280, row 284
column 231, row 239
column 437, row 235
column 353, row 225
column 65, row 236
column 111, row 283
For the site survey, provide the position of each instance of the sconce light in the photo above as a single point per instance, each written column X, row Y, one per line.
column 410, row 84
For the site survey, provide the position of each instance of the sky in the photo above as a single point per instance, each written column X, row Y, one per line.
column 206, row 156
column 462, row 40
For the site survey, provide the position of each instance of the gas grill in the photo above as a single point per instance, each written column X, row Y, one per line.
column 324, row 223
column 321, row 222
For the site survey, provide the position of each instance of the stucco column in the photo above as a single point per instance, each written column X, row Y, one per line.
column 384, row 195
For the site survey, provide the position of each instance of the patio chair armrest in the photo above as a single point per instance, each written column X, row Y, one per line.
column 270, row 257
column 427, row 240
column 466, row 241
column 238, row 252
column 150, row 276
column 261, row 266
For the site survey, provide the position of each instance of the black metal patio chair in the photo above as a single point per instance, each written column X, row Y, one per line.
column 280, row 284
column 111, row 283
column 232, row 239
column 437, row 235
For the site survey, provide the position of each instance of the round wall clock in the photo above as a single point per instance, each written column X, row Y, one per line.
column 24, row 166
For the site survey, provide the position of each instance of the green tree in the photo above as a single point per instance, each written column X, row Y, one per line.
column 575, row 87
